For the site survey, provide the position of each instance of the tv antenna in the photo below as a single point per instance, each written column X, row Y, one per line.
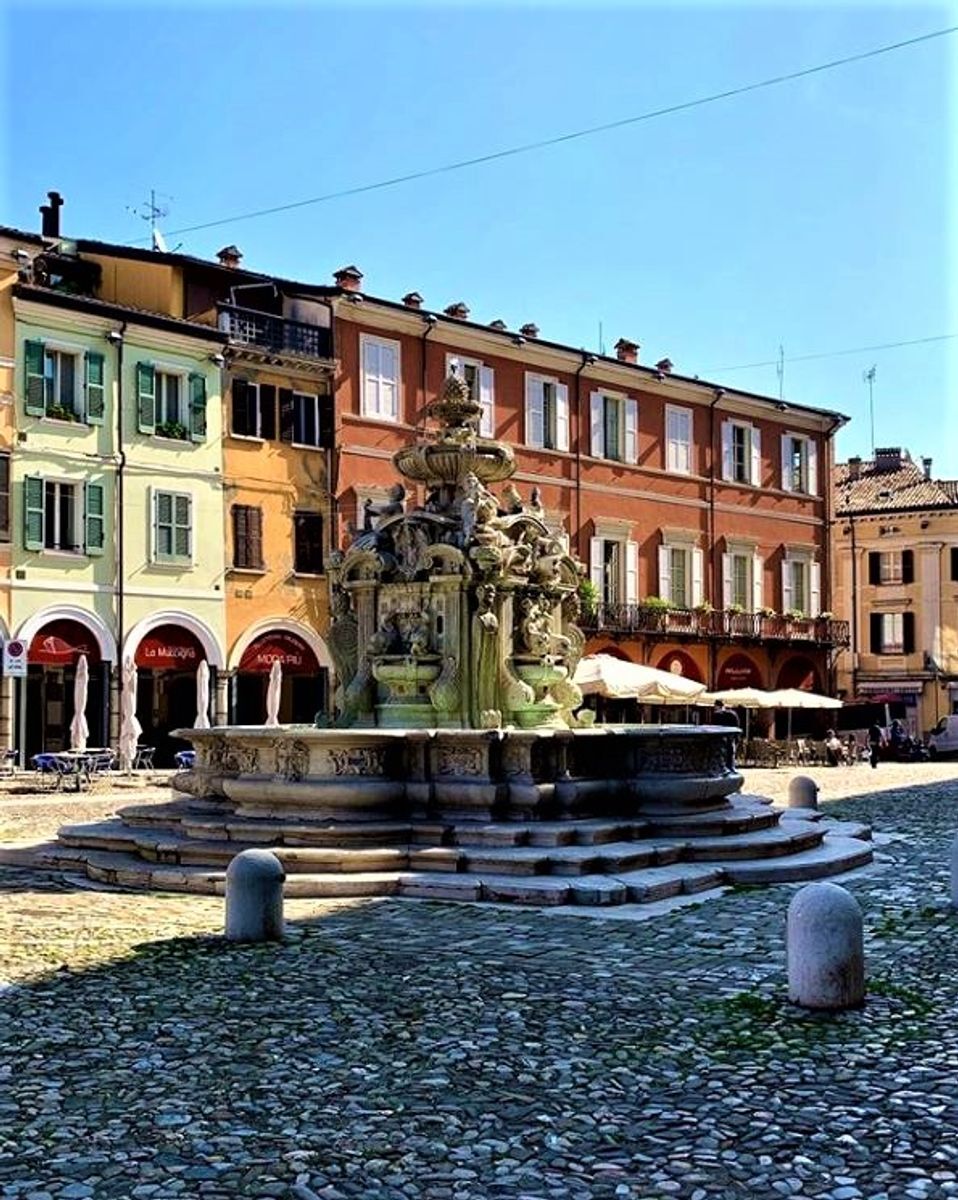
column 151, row 212
column 780, row 372
column 869, row 378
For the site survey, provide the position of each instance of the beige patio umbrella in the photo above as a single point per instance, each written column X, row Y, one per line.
column 606, row 675
column 274, row 691
column 797, row 698
column 202, row 696
column 130, row 727
column 79, row 730
column 743, row 697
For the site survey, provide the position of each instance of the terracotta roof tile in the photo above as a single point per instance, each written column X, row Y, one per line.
column 877, row 489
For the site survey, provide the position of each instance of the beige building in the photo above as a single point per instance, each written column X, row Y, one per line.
column 895, row 577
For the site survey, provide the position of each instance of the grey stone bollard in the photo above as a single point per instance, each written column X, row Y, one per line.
column 254, row 897
column 954, row 873
column 825, row 948
column 802, row 792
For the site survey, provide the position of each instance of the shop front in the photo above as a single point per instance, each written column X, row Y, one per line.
column 167, row 659
column 45, row 711
column 305, row 690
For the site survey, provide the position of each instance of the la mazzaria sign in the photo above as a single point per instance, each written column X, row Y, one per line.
column 169, row 649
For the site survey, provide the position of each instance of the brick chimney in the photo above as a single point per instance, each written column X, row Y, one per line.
column 626, row 351
column 855, row 467
column 348, row 278
column 229, row 256
column 50, row 215
column 499, row 324
column 888, row 458
column 926, row 467
column 412, row 300
column 530, row 329
column 664, row 365
column 458, row 311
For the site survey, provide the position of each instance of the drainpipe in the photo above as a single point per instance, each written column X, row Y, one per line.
column 587, row 361
column 431, row 321
column 115, row 338
column 854, row 599
column 717, row 396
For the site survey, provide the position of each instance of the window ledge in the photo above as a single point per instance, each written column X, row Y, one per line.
column 162, row 437
column 308, row 574
column 66, row 423
column 248, row 571
column 303, row 446
column 73, row 555
column 247, row 437
column 172, row 564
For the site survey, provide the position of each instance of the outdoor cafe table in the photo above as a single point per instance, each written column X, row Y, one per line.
column 78, row 762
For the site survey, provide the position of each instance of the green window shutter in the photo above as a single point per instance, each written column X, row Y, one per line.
column 181, row 528
column 33, row 512
column 95, row 518
column 197, row 408
column 145, row 397
column 33, row 388
column 162, row 525
column 94, row 388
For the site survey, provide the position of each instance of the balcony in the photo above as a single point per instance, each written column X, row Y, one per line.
column 268, row 337
column 724, row 625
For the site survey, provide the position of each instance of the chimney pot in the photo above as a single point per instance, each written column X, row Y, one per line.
column 530, row 329
column 458, row 311
column 412, row 300
column 626, row 351
column 855, row 467
column 229, row 256
column 926, row 467
column 348, row 278
column 498, row 323
column 50, row 214
column 664, row 365
column 888, row 458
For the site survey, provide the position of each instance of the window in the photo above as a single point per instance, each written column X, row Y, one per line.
column 954, row 564
column 253, row 409
column 614, row 569
column 479, row 379
column 742, row 570
column 614, row 427
column 172, row 527
column 169, row 415
column 247, row 537
column 678, row 440
column 59, row 384
column 741, row 453
column 63, row 384
column 680, row 574
column 4, row 497
column 380, row 381
column 893, row 633
column 547, row 413
column 305, row 419
column 63, row 515
column 799, row 464
column 801, row 584
column 891, row 566
column 308, row 549
column 170, row 403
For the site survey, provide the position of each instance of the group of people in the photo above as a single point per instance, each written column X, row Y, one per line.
column 899, row 745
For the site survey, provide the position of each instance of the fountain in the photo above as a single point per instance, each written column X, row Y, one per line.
column 457, row 763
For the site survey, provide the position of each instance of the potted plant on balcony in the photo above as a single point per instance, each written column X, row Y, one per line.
column 60, row 412
column 653, row 611
column 172, row 429
column 589, row 598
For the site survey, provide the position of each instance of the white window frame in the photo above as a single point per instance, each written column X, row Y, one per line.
column 890, row 566
column 366, row 407
column 76, row 352
column 627, row 450
column 249, row 437
column 79, row 517
column 174, row 560
column 483, row 393
column 753, row 457
column 536, row 383
column 813, row 582
column 628, row 582
column 755, row 575
column 694, row 569
column 808, row 467
column 675, row 449
column 892, row 623
column 314, row 396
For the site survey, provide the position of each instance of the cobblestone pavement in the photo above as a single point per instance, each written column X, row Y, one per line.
column 402, row 1049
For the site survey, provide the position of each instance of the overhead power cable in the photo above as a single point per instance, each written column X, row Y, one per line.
column 774, row 362
column 560, row 139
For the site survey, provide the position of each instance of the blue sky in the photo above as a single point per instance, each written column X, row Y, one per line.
column 817, row 215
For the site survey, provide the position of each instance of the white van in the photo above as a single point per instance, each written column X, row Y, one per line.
column 943, row 739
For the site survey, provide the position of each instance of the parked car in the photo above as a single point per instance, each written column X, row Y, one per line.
column 943, row 739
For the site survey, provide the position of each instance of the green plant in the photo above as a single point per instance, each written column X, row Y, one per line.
column 767, row 612
column 735, row 609
column 704, row 608
column 654, row 602
column 172, row 429
column 795, row 614
column 61, row 413
column 589, row 597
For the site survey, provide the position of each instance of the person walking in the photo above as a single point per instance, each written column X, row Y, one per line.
column 875, row 737
column 724, row 716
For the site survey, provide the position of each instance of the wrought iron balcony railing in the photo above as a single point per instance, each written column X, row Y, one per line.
column 275, row 335
column 720, row 624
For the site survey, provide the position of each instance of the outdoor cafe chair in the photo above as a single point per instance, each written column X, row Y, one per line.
column 143, row 761
column 185, row 759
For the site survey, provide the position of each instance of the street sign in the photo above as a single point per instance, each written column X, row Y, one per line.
column 15, row 658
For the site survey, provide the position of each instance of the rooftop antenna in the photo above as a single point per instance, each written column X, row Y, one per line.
column 869, row 378
column 151, row 212
column 601, row 342
column 780, row 372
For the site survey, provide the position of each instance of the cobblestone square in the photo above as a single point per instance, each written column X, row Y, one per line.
column 412, row 1049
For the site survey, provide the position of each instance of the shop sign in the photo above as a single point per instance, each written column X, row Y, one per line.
column 61, row 643
column 14, row 658
column 739, row 671
column 291, row 652
column 169, row 648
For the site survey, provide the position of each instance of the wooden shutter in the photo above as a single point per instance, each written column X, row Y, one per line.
column 812, row 467
column 698, row 589
column 389, row 381
column 182, row 526
column 327, row 422
column 908, row 566
column 786, row 462
column 908, row 632
column 93, row 387
column 33, row 383
column 94, row 518
column 954, row 564
column 162, row 517
column 875, row 633
column 631, row 572
column 145, row 397
column 267, row 411
column 240, row 536
column 726, row 580
column 256, row 538
column 815, row 588
column 758, row 570
column 727, row 471
column 596, row 565
column 535, row 413
column 370, row 399
column 287, row 415
column 786, row 585
column 665, row 573
column 197, row 408
column 597, row 425
column 562, row 417
column 756, row 447
column 33, row 523
column 874, row 566
column 4, row 497
column 240, row 407
column 487, row 420
column 631, row 431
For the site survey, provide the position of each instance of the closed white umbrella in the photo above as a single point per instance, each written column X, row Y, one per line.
column 130, row 727
column 202, row 696
column 606, row 675
column 274, row 691
column 79, row 730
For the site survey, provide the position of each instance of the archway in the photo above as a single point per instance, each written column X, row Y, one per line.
column 800, row 672
column 305, row 690
column 678, row 662
column 738, row 671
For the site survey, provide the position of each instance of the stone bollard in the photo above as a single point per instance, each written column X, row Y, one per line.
column 254, row 897
column 802, row 792
column 825, row 948
column 954, row 873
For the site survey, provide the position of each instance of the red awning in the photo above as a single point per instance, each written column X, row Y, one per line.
column 170, row 648
column 60, row 644
column 739, row 671
column 290, row 651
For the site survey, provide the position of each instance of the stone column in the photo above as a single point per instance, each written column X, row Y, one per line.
column 220, row 696
column 113, row 732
